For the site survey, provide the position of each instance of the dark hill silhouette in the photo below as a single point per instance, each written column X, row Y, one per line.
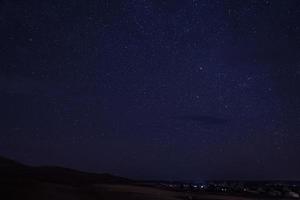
column 5, row 162
column 23, row 182
column 19, row 181
column 10, row 169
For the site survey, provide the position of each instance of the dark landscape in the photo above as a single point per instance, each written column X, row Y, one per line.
column 149, row 99
column 18, row 181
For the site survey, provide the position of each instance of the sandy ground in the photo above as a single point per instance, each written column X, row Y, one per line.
column 52, row 191
column 140, row 192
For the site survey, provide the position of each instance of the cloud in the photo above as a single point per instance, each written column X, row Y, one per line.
column 204, row 119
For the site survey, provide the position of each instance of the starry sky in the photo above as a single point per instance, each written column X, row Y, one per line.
column 153, row 89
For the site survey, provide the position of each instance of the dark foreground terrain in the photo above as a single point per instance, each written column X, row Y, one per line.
column 18, row 181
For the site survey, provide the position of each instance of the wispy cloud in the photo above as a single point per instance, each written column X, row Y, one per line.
column 204, row 119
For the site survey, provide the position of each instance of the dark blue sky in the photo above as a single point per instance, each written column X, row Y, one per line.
column 155, row 89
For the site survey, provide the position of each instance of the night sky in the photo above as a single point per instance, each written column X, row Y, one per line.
column 153, row 89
